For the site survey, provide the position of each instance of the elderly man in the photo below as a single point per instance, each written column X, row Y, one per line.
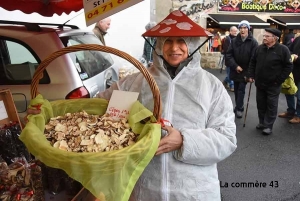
column 237, row 58
column 101, row 28
column 270, row 65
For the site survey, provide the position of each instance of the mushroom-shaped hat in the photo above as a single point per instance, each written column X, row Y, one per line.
column 177, row 24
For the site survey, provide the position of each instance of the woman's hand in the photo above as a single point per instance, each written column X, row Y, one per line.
column 172, row 141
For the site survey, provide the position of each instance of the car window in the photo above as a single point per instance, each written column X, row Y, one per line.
column 17, row 64
column 88, row 63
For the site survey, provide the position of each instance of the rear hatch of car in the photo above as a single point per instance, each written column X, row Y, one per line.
column 96, row 69
column 73, row 75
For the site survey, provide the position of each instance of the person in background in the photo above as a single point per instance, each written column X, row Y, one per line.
column 203, row 130
column 270, row 65
column 216, row 43
column 237, row 58
column 148, row 50
column 288, row 38
column 101, row 28
column 293, row 110
column 233, row 31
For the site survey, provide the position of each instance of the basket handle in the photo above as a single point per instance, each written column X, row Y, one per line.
column 154, row 88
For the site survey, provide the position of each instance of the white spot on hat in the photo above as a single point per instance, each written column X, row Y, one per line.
column 177, row 13
column 155, row 28
column 165, row 30
column 184, row 25
column 168, row 22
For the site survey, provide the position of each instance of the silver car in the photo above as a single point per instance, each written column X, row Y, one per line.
column 79, row 74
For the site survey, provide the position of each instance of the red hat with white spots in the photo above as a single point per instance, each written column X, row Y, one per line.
column 177, row 24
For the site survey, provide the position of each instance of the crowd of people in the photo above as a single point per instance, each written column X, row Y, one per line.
column 267, row 65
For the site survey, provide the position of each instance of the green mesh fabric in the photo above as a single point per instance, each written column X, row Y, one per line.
column 109, row 176
column 289, row 86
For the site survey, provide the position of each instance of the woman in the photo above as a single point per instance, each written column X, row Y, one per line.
column 196, row 103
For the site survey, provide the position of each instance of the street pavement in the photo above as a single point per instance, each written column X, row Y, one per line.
column 263, row 168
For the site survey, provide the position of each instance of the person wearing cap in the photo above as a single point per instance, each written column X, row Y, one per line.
column 237, row 58
column 197, row 105
column 270, row 65
column 100, row 29
column 149, row 43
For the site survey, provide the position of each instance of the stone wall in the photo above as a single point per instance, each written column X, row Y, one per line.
column 211, row 60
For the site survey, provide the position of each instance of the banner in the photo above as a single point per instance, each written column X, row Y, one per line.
column 96, row 10
column 278, row 6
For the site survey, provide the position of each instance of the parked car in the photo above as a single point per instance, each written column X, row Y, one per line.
column 80, row 74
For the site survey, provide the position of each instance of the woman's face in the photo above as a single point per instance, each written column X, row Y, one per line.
column 175, row 50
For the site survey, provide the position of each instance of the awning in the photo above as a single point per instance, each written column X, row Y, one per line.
column 291, row 22
column 44, row 7
column 226, row 21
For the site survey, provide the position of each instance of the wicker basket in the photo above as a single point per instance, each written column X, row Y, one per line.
column 154, row 88
column 141, row 152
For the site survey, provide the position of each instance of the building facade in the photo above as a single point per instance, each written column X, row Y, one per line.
column 218, row 15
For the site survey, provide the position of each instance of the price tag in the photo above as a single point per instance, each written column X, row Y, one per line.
column 3, row 113
column 96, row 10
column 120, row 103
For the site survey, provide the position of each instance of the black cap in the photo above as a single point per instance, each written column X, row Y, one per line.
column 276, row 32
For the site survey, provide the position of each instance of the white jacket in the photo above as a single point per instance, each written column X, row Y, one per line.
column 197, row 104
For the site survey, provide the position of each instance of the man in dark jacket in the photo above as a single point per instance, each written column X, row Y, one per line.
column 237, row 58
column 270, row 65
column 293, row 110
column 233, row 31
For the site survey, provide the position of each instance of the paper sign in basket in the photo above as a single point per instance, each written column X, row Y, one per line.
column 120, row 103
column 3, row 113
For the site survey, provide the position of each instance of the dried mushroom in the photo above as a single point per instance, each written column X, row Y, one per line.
column 81, row 132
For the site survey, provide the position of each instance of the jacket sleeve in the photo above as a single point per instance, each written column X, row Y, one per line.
column 123, row 84
column 287, row 66
column 254, row 47
column 145, row 51
column 108, row 92
column 214, row 143
column 229, row 57
column 225, row 45
column 252, row 65
column 297, row 62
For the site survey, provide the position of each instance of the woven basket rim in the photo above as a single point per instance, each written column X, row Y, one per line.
column 154, row 88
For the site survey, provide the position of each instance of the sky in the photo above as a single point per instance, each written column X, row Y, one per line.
column 125, row 32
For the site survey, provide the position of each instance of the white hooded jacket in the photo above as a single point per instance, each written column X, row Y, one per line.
column 197, row 104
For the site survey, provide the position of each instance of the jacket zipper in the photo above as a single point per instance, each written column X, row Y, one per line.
column 165, row 156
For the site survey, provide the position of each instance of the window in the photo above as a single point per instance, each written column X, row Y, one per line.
column 17, row 64
column 88, row 63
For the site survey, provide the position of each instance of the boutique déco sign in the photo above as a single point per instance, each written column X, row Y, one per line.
column 279, row 6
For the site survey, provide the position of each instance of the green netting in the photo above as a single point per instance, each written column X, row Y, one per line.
column 109, row 176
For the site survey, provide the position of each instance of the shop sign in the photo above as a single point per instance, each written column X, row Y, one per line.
column 96, row 10
column 196, row 7
column 279, row 6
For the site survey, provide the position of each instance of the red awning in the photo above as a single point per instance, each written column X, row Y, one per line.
column 45, row 8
